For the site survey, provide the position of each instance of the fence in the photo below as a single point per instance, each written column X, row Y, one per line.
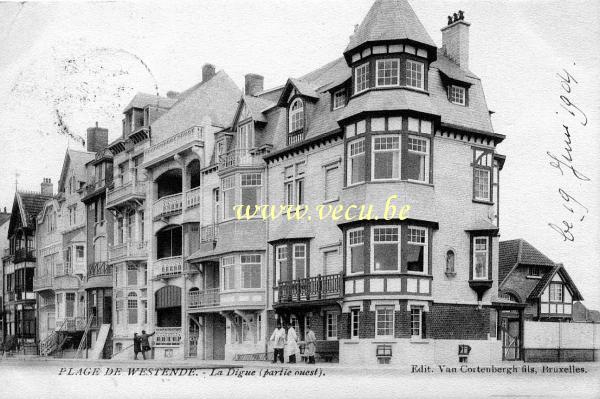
column 560, row 342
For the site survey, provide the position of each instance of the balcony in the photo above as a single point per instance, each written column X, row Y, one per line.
column 167, row 336
column 192, row 197
column 239, row 157
column 167, row 206
column 168, row 267
column 6, row 252
column 95, row 184
column 310, row 289
column 204, row 299
column 134, row 250
column 99, row 269
column 124, row 193
column 295, row 137
column 209, row 233
column 175, row 144
column 41, row 283
column 70, row 324
column 24, row 255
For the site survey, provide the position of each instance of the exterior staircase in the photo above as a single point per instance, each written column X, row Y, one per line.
column 52, row 342
column 83, row 342
column 96, row 352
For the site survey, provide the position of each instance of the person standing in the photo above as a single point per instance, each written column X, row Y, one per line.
column 278, row 338
column 145, row 344
column 137, row 346
column 292, row 344
column 311, row 344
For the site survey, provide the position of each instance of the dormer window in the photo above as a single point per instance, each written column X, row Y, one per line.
column 296, row 118
column 388, row 72
column 361, row 78
column 245, row 139
column 457, row 95
column 339, row 99
column 414, row 74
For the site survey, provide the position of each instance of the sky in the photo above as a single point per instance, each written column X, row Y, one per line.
column 65, row 66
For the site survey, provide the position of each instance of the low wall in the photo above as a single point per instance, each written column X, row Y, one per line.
column 561, row 342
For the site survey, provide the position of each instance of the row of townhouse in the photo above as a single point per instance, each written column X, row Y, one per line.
column 143, row 235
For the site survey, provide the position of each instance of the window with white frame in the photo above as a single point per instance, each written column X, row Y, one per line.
column 356, row 250
column 388, row 72
column 457, row 94
column 294, row 184
column 331, row 326
column 332, row 182
column 216, row 206
column 534, row 271
column 482, row 171
column 384, row 321
column 339, row 98
column 416, row 321
column 250, row 189
column 228, row 266
column 386, row 248
column 361, row 78
column 414, row 74
column 250, row 269
column 228, row 188
column 132, row 271
column 416, row 249
column 386, row 157
column 296, row 115
column 132, row 308
column 418, row 159
column 354, row 322
column 356, row 161
column 281, row 263
column 480, row 258
column 299, row 261
column 556, row 292
column 245, row 137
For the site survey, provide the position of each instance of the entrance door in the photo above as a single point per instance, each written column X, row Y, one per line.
column 511, row 342
column 107, row 310
column 218, row 337
column 194, row 333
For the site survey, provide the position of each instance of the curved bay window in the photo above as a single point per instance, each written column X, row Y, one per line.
column 169, row 183
column 168, row 242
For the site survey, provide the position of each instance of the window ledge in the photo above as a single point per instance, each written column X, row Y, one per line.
column 450, row 274
column 420, row 341
column 534, row 277
column 480, row 201
column 329, row 201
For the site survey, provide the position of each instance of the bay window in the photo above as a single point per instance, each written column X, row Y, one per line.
column 388, row 72
column 417, row 159
column 250, row 268
column 168, row 242
column 482, row 173
column 480, row 258
column 385, row 249
column 356, row 162
column 228, row 266
column 361, row 78
column 384, row 321
column 250, row 189
column 416, row 250
column 414, row 74
column 386, row 157
column 228, row 188
column 281, row 263
column 299, row 261
column 356, row 250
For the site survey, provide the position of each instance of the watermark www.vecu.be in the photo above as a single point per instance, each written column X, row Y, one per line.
column 336, row 212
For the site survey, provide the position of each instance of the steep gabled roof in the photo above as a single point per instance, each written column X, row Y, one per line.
column 546, row 278
column 74, row 160
column 26, row 206
column 390, row 20
column 519, row 252
column 304, row 88
column 256, row 105
column 141, row 100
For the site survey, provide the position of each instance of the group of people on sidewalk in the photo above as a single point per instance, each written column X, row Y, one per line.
column 288, row 339
column 141, row 343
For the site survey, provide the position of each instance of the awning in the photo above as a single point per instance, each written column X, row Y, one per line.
column 168, row 297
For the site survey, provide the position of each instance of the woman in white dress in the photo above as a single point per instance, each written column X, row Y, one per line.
column 292, row 344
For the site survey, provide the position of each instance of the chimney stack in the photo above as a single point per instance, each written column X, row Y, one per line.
column 455, row 39
column 46, row 188
column 208, row 71
column 172, row 94
column 97, row 138
column 254, row 84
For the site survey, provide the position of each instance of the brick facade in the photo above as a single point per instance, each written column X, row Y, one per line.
column 458, row 322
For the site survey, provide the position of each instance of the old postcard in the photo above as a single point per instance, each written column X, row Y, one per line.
column 343, row 198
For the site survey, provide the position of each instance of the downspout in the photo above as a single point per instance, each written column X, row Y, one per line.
column 267, row 265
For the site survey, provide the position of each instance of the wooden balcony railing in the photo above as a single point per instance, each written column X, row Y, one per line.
column 71, row 323
column 209, row 233
column 168, row 267
column 42, row 282
column 310, row 289
column 169, row 205
column 128, row 250
column 24, row 254
column 295, row 137
column 192, row 197
column 238, row 157
column 123, row 192
column 167, row 336
column 203, row 299
column 99, row 269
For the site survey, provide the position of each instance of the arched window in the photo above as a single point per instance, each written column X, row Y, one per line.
column 193, row 172
column 100, row 249
column 296, row 120
column 168, row 183
column 132, row 308
column 450, row 261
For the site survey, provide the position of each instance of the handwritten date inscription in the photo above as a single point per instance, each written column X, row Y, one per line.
column 565, row 162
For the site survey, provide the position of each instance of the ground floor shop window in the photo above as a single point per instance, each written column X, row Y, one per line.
column 331, row 326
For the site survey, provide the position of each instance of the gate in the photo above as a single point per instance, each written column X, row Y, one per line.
column 511, row 341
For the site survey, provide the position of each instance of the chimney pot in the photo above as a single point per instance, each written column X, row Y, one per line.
column 46, row 188
column 449, row 20
column 254, row 84
column 97, row 138
column 461, row 15
column 208, row 71
column 455, row 17
column 455, row 40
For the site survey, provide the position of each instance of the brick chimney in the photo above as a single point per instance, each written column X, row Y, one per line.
column 46, row 188
column 97, row 138
column 455, row 39
column 172, row 94
column 208, row 71
column 254, row 84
